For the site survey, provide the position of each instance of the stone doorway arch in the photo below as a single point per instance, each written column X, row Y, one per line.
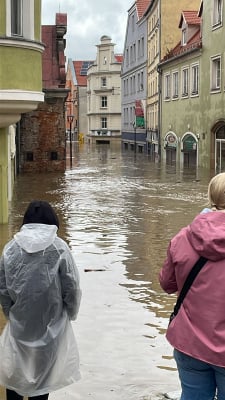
column 189, row 150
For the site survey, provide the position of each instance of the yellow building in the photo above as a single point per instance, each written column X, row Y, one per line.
column 20, row 80
column 163, row 18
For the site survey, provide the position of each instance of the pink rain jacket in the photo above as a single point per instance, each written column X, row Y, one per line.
column 199, row 327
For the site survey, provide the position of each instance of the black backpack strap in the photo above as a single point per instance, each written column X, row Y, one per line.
column 188, row 282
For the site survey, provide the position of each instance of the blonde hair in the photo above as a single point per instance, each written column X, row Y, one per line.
column 216, row 192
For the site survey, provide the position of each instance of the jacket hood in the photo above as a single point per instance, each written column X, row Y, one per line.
column 36, row 237
column 207, row 235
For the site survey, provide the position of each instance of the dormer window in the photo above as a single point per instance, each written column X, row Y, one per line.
column 184, row 37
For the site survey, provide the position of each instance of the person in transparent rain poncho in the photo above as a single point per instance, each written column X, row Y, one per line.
column 39, row 295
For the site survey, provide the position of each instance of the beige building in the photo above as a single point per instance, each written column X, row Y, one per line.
column 104, row 94
column 163, row 18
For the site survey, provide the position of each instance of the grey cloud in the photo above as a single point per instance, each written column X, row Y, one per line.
column 88, row 20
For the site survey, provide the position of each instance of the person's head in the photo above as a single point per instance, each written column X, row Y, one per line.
column 40, row 212
column 216, row 191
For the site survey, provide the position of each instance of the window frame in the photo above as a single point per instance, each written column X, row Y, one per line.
column 103, row 122
column 167, row 80
column 195, row 80
column 185, row 82
column 104, row 102
column 217, row 17
column 16, row 8
column 175, row 85
column 216, row 75
column 103, row 82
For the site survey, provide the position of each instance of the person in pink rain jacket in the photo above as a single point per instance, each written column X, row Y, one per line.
column 197, row 333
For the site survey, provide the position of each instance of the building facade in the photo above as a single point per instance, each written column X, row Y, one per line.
column 104, row 94
column 76, row 81
column 134, row 78
column 163, row 35
column 193, row 123
column 20, row 81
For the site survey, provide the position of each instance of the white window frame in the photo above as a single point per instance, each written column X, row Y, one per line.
column 27, row 19
column 185, row 82
column 195, row 79
column 184, row 36
column 104, row 122
column 167, row 80
column 216, row 73
column 175, row 84
column 104, row 102
column 217, row 13
column 103, row 82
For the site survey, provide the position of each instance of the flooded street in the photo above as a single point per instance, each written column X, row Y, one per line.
column 117, row 213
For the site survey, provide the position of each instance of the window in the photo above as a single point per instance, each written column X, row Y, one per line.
column 175, row 85
column 16, row 17
column 133, row 23
column 104, row 122
column 184, row 37
column 103, row 82
column 194, row 79
column 104, row 101
column 30, row 156
column 216, row 73
column 185, row 82
column 217, row 12
column 54, row 155
column 167, row 86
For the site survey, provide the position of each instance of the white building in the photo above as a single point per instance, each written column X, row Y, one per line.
column 104, row 94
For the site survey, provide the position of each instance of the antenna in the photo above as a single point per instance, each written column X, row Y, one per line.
column 59, row 6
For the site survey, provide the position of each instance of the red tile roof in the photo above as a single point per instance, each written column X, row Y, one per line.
column 142, row 6
column 190, row 18
column 119, row 58
column 81, row 76
column 194, row 42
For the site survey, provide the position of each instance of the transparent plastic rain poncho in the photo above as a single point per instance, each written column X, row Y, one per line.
column 39, row 294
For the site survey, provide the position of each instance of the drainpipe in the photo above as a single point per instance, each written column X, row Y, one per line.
column 159, row 87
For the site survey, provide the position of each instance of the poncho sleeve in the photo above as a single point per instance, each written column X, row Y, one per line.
column 70, row 283
column 5, row 299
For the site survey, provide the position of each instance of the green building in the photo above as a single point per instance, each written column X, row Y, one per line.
column 192, row 91
column 20, row 81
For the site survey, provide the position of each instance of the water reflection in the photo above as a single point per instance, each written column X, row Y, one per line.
column 118, row 212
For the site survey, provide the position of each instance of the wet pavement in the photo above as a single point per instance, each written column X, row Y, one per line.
column 118, row 212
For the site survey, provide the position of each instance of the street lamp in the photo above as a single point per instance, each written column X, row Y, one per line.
column 70, row 120
column 134, row 125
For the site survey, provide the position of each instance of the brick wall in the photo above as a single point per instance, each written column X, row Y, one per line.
column 42, row 138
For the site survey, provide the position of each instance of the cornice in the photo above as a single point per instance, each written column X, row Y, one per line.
column 21, row 43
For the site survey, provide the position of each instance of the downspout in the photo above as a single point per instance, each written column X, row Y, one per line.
column 159, row 88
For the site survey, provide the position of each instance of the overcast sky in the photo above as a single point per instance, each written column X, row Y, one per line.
column 87, row 21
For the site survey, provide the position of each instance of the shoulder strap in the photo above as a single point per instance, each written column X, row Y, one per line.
column 188, row 282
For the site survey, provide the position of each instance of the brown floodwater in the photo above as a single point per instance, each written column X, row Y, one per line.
column 117, row 212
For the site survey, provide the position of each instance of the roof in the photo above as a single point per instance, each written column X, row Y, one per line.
column 81, row 68
column 194, row 42
column 119, row 58
column 190, row 18
column 142, row 6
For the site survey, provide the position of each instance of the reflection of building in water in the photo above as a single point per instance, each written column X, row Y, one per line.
column 159, row 210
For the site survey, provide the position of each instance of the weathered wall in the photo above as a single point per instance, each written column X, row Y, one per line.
column 42, row 136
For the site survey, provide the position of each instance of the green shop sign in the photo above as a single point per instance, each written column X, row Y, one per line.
column 140, row 122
